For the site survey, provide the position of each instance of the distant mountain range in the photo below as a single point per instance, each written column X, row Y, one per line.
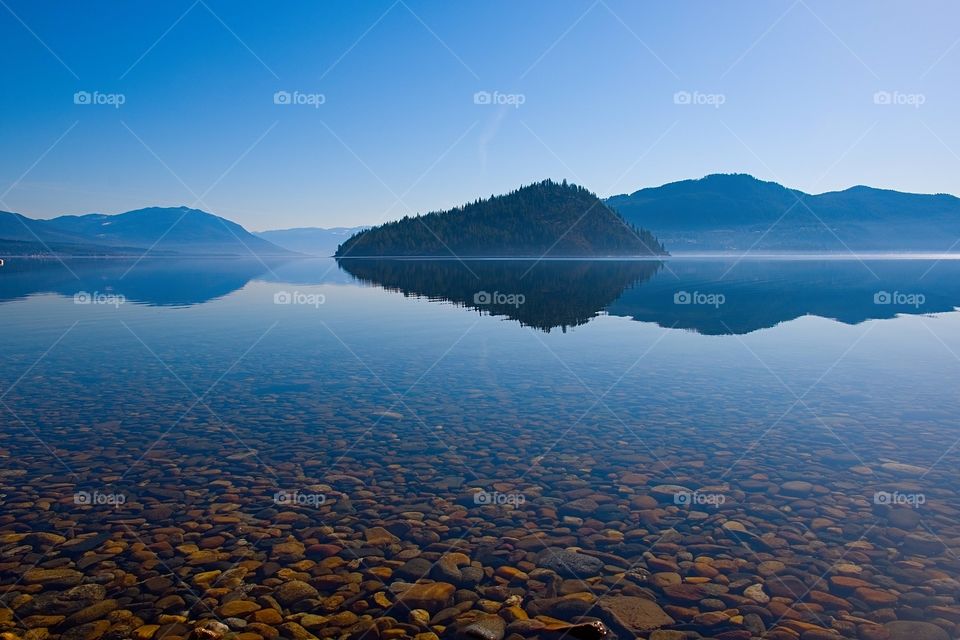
column 718, row 213
column 163, row 231
column 311, row 241
column 737, row 212
column 543, row 219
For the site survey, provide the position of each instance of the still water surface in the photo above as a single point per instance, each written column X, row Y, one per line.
column 791, row 424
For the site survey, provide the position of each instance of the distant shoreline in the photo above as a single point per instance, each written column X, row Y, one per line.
column 691, row 256
column 192, row 256
column 845, row 255
column 785, row 255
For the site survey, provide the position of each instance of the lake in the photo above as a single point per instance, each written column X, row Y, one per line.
column 758, row 446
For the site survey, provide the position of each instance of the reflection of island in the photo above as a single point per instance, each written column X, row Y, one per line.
column 697, row 295
column 166, row 282
column 756, row 294
column 551, row 294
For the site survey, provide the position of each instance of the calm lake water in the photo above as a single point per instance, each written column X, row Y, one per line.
column 699, row 427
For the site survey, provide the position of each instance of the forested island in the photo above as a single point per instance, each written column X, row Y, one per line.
column 544, row 219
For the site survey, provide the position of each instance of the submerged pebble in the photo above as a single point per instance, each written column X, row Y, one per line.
column 289, row 518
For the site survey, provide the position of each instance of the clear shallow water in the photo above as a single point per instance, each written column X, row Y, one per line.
column 788, row 403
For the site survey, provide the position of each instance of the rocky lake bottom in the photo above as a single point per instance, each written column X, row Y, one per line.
column 381, row 466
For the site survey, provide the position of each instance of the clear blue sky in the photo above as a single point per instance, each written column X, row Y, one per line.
column 597, row 82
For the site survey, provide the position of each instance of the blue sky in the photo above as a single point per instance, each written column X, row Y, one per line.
column 613, row 95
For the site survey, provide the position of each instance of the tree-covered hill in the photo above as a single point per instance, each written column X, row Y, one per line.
column 542, row 219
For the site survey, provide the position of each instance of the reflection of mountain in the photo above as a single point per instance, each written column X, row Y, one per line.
column 552, row 294
column 757, row 294
column 754, row 294
column 173, row 282
column 762, row 294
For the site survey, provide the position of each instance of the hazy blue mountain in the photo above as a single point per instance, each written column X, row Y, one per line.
column 735, row 212
column 722, row 212
column 545, row 218
column 178, row 229
column 20, row 236
column 16, row 227
column 39, row 249
column 313, row 241
column 164, row 230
